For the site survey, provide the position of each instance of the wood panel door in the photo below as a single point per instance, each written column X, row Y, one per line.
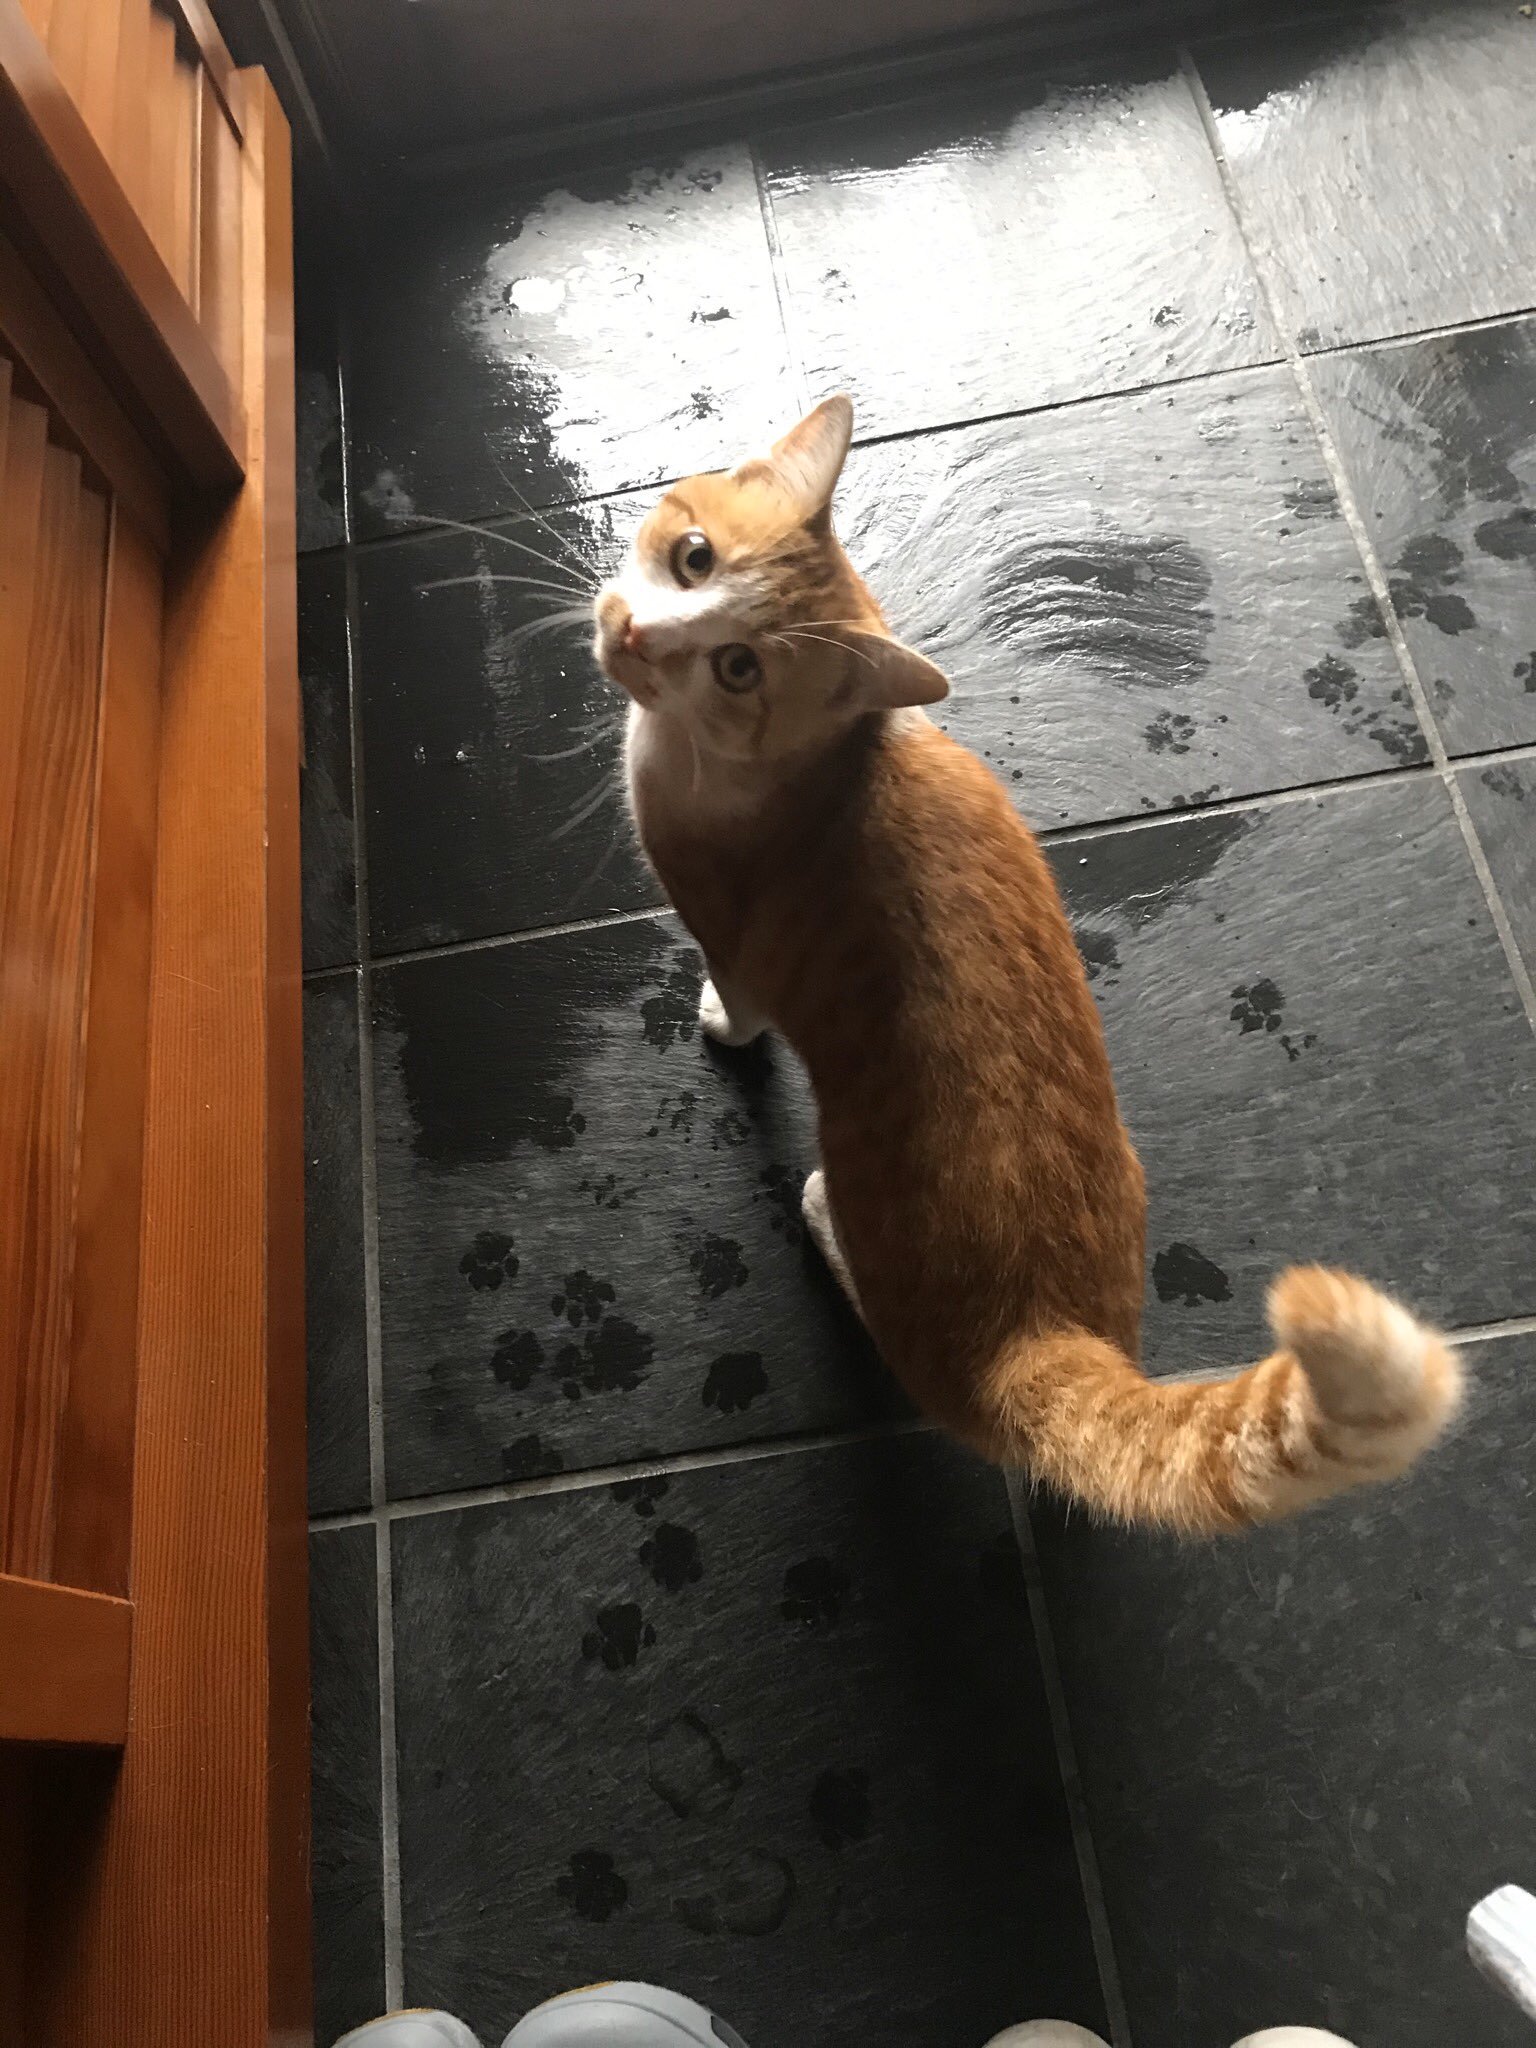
column 153, row 1675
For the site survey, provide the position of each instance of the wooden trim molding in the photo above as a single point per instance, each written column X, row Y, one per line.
column 202, row 32
column 64, row 1673
column 61, row 199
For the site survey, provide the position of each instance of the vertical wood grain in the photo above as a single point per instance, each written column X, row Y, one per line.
column 131, row 140
column 69, row 24
column 219, row 241
column 188, row 177
column 160, row 112
column 95, row 1462
column 21, row 513
column 43, row 992
column 191, row 1924
column 97, row 97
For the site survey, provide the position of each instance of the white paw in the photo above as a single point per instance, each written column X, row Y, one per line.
column 715, row 1019
column 813, row 1199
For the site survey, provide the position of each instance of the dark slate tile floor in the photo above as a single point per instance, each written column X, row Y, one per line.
column 614, row 329
column 1307, row 1754
column 1438, row 439
column 1348, row 145
column 699, row 1660
column 780, row 1739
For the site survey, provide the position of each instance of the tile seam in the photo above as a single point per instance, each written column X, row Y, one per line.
column 412, row 1507
column 778, row 271
column 1444, row 765
column 1089, row 1874
column 378, row 1488
column 1050, row 835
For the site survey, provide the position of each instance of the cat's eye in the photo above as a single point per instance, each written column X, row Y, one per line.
column 736, row 668
column 692, row 557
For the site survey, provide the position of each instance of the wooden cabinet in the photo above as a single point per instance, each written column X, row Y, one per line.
column 153, row 1677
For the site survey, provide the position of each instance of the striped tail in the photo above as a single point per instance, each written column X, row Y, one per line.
column 1357, row 1389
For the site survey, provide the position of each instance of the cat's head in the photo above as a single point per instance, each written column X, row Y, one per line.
column 737, row 612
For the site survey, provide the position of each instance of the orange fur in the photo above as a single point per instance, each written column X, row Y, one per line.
column 865, row 885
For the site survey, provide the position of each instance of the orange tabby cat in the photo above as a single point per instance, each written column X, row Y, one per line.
column 864, row 885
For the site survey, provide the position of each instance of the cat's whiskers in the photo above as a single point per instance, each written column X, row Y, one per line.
column 791, row 633
column 585, row 807
column 507, row 540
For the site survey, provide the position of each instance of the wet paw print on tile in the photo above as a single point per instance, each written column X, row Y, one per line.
column 1311, row 500
column 592, row 1887
column 718, row 1265
column 612, row 1358
column 1190, row 800
column 517, row 1357
column 687, row 1768
column 1525, row 673
column 839, row 1807
column 1259, row 1006
column 814, row 1592
column 1335, row 684
column 1100, row 950
column 619, row 1635
column 1421, row 585
column 672, row 1558
column 641, row 1494
column 582, row 1299
column 1504, row 780
column 678, row 1112
column 781, row 1187
column 734, row 1382
column 489, row 1260
column 1171, row 732
column 1183, row 1274
column 530, row 1458
column 1511, row 537
column 751, row 1893
column 732, row 1127
column 555, row 1123
column 607, row 1192
column 671, row 1015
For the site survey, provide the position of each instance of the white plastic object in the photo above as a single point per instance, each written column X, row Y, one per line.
column 1046, row 2034
column 418, row 2029
column 1293, row 2037
column 622, row 2015
column 1501, row 1940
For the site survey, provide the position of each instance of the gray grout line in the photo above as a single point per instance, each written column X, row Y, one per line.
column 1048, row 835
column 541, row 931
column 427, row 527
column 378, row 1491
column 1444, row 766
column 1099, row 1929
column 769, row 1447
column 378, row 1485
column 1488, row 1333
column 779, row 272
column 593, row 1476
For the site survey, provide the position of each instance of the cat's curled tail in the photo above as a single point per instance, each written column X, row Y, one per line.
column 1356, row 1391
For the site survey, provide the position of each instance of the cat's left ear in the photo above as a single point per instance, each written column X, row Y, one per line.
column 888, row 674
column 807, row 463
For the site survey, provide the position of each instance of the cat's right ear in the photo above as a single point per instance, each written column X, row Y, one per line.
column 807, row 463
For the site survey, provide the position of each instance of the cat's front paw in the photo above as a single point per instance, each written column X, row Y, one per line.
column 716, row 1021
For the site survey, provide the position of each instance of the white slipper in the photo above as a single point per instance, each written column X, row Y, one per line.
column 419, row 2029
column 1046, row 2034
column 1293, row 2037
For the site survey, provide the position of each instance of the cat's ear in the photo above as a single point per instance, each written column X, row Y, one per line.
column 807, row 463
column 887, row 673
